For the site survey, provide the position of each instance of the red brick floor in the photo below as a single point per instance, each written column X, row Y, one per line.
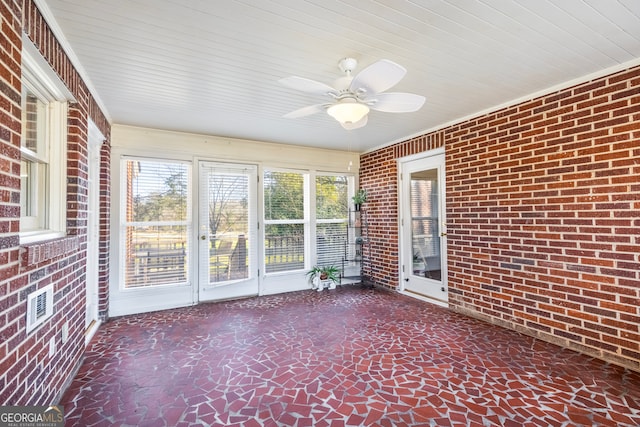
column 348, row 357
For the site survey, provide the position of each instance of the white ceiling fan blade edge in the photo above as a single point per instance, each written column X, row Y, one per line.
column 378, row 77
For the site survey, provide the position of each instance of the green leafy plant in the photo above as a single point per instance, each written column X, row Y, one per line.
column 328, row 272
column 360, row 197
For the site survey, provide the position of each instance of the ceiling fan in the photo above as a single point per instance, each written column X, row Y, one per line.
column 353, row 96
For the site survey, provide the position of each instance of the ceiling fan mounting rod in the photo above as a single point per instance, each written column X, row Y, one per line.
column 347, row 65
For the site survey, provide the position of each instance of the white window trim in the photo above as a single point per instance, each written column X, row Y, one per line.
column 310, row 220
column 43, row 81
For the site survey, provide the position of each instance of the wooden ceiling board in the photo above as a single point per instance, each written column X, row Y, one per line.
column 212, row 66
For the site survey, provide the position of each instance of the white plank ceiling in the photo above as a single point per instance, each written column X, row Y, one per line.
column 212, row 66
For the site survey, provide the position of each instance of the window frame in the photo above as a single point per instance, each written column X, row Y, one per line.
column 310, row 220
column 305, row 220
column 50, row 193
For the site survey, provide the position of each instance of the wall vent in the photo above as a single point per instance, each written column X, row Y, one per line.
column 39, row 307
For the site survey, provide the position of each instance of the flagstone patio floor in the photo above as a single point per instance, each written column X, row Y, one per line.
column 353, row 356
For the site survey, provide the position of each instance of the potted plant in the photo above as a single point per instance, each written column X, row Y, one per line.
column 359, row 198
column 324, row 276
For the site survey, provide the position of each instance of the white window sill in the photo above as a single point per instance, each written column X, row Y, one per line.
column 30, row 237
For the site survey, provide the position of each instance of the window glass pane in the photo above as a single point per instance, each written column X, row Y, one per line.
column 331, row 212
column 27, row 171
column 156, row 224
column 331, row 241
column 331, row 197
column 34, row 122
column 284, row 247
column 158, row 191
column 157, row 255
column 283, row 195
column 34, row 197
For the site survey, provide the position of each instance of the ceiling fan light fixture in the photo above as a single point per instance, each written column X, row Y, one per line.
column 348, row 111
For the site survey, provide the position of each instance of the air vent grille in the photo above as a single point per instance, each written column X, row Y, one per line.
column 39, row 307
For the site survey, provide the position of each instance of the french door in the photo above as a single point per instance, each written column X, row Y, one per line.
column 227, row 237
column 423, row 238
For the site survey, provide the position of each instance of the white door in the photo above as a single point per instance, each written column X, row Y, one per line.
column 423, row 239
column 93, row 231
column 227, row 249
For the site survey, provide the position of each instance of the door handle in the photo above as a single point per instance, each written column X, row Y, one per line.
column 443, row 234
column 203, row 237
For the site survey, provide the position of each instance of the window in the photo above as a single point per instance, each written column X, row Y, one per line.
column 331, row 218
column 43, row 149
column 284, row 219
column 291, row 219
column 155, row 222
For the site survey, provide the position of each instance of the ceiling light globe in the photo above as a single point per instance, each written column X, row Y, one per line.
column 348, row 111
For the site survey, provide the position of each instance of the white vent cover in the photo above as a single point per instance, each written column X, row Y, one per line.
column 39, row 307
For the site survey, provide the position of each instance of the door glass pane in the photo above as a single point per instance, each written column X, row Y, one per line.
column 228, row 225
column 425, row 236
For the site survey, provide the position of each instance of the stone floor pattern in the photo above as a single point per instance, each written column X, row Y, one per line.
column 353, row 356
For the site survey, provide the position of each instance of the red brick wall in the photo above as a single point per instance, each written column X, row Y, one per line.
column 27, row 374
column 543, row 214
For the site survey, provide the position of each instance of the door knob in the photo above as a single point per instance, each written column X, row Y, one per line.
column 443, row 234
column 203, row 237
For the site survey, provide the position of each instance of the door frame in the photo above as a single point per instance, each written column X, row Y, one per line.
column 92, row 320
column 403, row 253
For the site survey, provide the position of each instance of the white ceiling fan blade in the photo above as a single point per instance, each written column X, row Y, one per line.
column 304, row 111
column 306, row 85
column 360, row 123
column 397, row 102
column 378, row 77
